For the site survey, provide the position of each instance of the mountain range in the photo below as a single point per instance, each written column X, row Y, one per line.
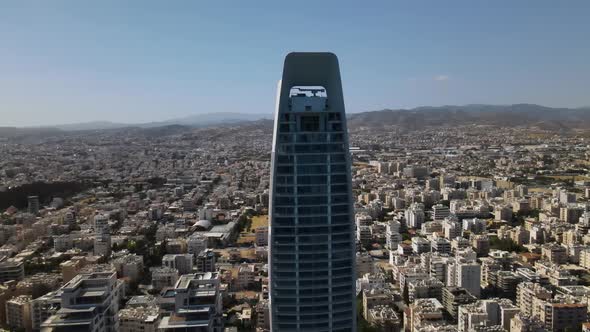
column 198, row 120
column 529, row 115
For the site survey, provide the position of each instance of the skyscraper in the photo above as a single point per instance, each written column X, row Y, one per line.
column 311, row 214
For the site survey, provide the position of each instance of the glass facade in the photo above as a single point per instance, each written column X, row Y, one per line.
column 311, row 236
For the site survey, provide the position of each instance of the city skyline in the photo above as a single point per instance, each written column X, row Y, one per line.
column 129, row 63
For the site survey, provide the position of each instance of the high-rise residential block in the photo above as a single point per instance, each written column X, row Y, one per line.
column 312, row 277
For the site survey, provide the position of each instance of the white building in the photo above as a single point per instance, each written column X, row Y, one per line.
column 420, row 245
column 440, row 212
column 197, row 304
column 89, row 302
column 474, row 226
column 129, row 266
column 181, row 262
column 63, row 242
column 415, row 215
column 163, row 277
column 196, row 243
column 102, row 235
column 486, row 313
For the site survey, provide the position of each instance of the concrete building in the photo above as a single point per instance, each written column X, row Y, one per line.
column 554, row 253
column 466, row 274
column 423, row 312
column 263, row 316
column 102, row 235
column 453, row 297
column 139, row 319
column 570, row 213
column 18, row 313
column 33, row 204
column 503, row 213
column 311, row 249
column 425, row 288
column 440, row 212
column 129, row 267
column 63, row 242
column 451, row 228
column 480, row 244
column 181, row 262
column 415, row 216
column 89, row 302
column 44, row 307
column 197, row 304
column 246, row 276
column 440, row 245
column 384, row 318
column 11, row 269
column 163, row 277
column 474, row 226
column 364, row 235
column 261, row 236
column 377, row 297
column 523, row 323
column 560, row 313
column 420, row 245
column 486, row 313
column 205, row 261
column 527, row 292
column 196, row 243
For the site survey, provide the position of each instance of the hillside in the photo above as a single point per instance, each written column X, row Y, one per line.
column 502, row 116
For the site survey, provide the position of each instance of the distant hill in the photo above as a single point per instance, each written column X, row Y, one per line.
column 12, row 132
column 94, row 125
column 529, row 115
column 197, row 120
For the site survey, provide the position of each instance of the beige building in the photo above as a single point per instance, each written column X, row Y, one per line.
column 375, row 297
column 246, row 276
column 18, row 313
column 523, row 323
column 71, row 268
column 141, row 319
column 585, row 258
column 384, row 318
column 560, row 313
column 554, row 253
column 526, row 292
column 262, row 316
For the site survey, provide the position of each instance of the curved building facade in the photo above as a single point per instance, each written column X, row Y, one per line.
column 312, row 247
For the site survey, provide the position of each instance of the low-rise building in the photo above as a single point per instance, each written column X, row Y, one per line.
column 197, row 304
column 89, row 302
column 18, row 313
column 139, row 319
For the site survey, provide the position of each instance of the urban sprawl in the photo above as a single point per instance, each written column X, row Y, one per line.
column 471, row 228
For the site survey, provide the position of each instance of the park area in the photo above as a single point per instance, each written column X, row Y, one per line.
column 247, row 235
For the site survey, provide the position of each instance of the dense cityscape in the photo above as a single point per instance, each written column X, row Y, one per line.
column 455, row 230
column 311, row 166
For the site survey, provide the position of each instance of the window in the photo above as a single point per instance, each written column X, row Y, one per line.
column 310, row 122
column 311, row 159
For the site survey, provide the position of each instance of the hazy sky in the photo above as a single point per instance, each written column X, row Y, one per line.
column 140, row 61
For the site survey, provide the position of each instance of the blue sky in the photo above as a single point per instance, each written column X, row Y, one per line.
column 140, row 61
